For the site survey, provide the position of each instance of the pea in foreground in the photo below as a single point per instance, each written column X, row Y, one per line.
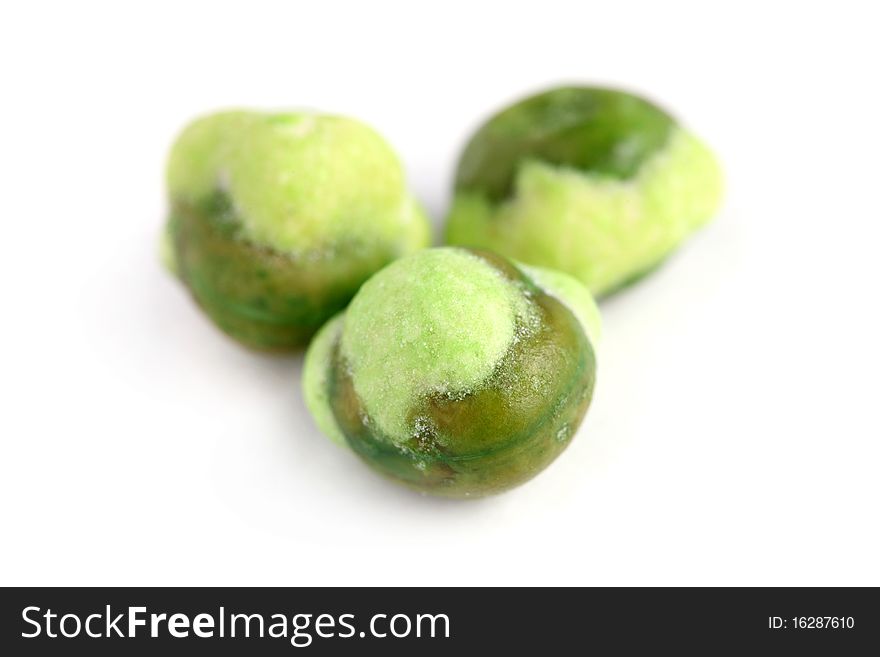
column 276, row 219
column 456, row 372
column 598, row 183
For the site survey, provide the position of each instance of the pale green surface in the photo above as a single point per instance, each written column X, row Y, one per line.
column 599, row 229
column 437, row 321
column 299, row 182
column 415, row 227
column 166, row 250
column 573, row 294
column 314, row 378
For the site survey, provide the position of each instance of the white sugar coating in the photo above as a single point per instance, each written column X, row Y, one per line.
column 300, row 182
column 438, row 321
column 315, row 378
column 572, row 293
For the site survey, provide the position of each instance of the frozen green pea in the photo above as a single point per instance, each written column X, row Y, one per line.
column 276, row 219
column 456, row 372
column 597, row 183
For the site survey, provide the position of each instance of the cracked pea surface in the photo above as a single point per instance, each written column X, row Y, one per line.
column 456, row 372
column 597, row 183
column 276, row 219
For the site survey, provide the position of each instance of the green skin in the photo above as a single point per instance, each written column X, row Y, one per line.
column 499, row 417
column 277, row 219
column 598, row 183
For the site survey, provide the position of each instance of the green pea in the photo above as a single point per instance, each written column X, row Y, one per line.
column 456, row 372
column 598, row 183
column 276, row 219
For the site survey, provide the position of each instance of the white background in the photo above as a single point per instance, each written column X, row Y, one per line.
column 734, row 434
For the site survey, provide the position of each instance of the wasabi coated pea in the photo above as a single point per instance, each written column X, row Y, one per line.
column 276, row 219
column 594, row 182
column 456, row 372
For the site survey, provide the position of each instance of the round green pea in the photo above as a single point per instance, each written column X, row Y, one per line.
column 456, row 372
column 276, row 219
column 598, row 183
